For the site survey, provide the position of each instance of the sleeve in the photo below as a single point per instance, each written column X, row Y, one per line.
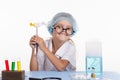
column 68, row 52
column 70, row 55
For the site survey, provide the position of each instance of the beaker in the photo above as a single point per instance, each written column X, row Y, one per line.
column 94, row 57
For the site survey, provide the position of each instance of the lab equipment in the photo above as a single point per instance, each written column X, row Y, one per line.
column 13, row 66
column 7, row 65
column 13, row 75
column 36, row 25
column 94, row 58
column 18, row 65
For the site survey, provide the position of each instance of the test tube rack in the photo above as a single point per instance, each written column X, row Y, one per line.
column 13, row 75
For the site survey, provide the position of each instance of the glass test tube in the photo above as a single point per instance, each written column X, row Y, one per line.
column 13, row 66
column 18, row 65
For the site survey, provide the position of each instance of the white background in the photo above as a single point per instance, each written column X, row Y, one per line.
column 97, row 20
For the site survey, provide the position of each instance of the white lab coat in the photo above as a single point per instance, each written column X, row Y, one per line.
column 67, row 51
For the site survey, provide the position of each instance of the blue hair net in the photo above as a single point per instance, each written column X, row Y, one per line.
column 62, row 16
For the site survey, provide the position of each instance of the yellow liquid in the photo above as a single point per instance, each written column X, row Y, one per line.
column 18, row 65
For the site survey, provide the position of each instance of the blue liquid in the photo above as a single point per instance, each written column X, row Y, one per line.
column 94, row 65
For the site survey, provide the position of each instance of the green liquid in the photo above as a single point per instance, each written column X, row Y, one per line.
column 13, row 66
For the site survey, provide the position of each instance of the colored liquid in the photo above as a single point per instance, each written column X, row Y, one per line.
column 94, row 65
column 18, row 65
column 13, row 66
column 7, row 65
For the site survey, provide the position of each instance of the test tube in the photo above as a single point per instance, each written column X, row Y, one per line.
column 36, row 25
column 7, row 65
column 18, row 65
column 13, row 66
column 36, row 45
